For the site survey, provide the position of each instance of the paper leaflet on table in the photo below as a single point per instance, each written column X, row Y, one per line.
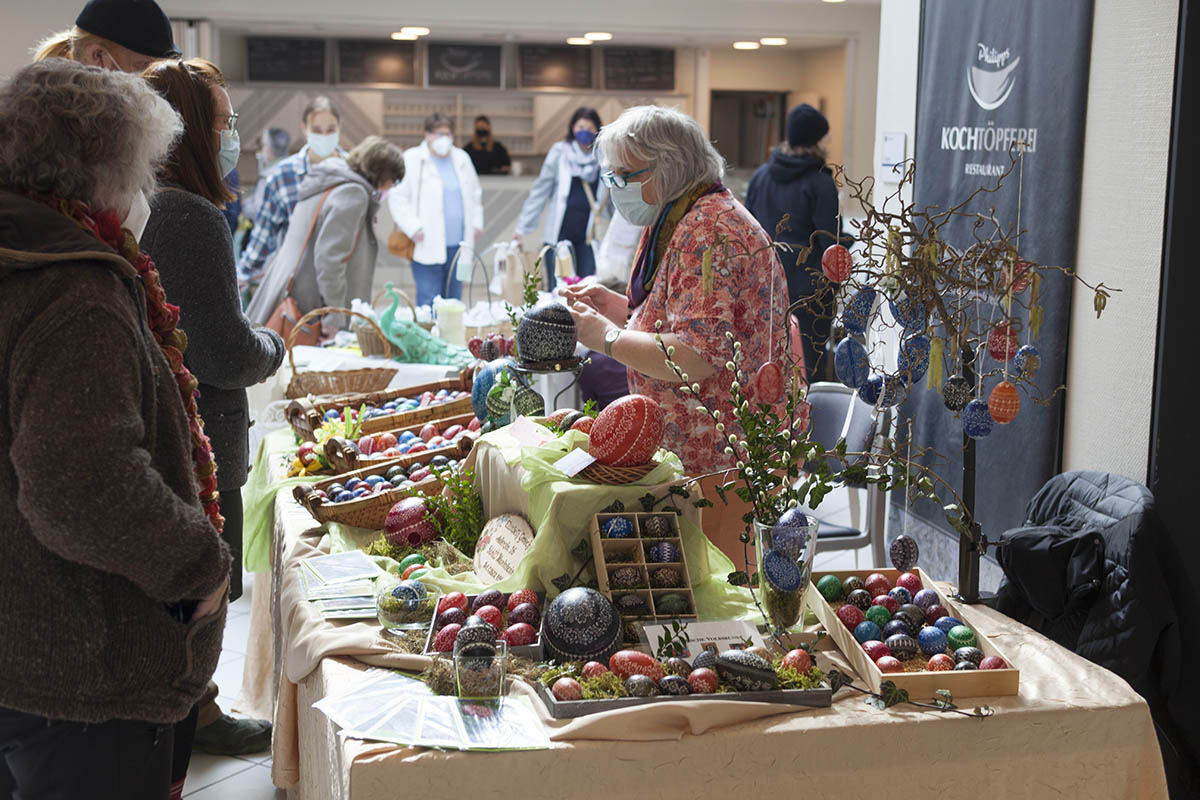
column 342, row 567
column 328, row 591
column 347, row 603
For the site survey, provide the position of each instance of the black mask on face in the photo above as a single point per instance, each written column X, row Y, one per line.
column 483, row 133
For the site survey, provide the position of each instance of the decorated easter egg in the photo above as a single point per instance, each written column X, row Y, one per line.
column 957, row 391
column 528, row 402
column 641, row 686
column 860, row 598
column 1002, row 342
column 746, row 672
column 887, row 601
column 452, row 600
column 941, row 663
column 665, row 553
column 414, row 571
column 617, row 528
column 705, row 658
column 524, row 612
column 767, row 383
column 913, row 614
column 593, row 668
column 884, row 391
column 580, row 625
column 898, row 626
column 485, row 379
column 489, row 614
column 672, row 604
column 901, row 594
column 546, row 333
column 634, row 662
column 867, row 631
column 665, row 578
column 567, row 689
column 657, row 527
column 631, row 604
column 410, row 559
column 877, row 584
column 1026, row 361
column 674, row 684
column 976, row 419
column 798, row 660
column 1004, row 402
column 451, row 616
column 583, row 424
column 925, row 598
column 879, row 615
column 858, row 311
column 961, row 636
column 931, row 640
column 444, row 641
column 909, row 313
column 850, row 616
column 913, row 360
column 522, row 596
column 875, row 649
column 964, row 666
column 703, row 680
column 678, row 666
column 993, row 662
column 904, row 553
column 889, row 664
column 559, row 415
column 489, row 350
column 625, row 578
column 910, row 581
column 946, row 623
column 783, row 573
column 851, row 363
column 902, row 647
column 409, row 523
column 488, row 597
column 852, row 583
column 934, row 613
column 830, row 588
column 413, row 589
column 836, row 263
column 519, row 634
column 627, row 432
column 972, row 654
column 474, row 633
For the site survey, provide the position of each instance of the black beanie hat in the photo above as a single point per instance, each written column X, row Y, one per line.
column 806, row 126
column 139, row 25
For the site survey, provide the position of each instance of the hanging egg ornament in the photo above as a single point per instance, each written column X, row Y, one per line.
column 850, row 363
column 768, row 384
column 1004, row 403
column 977, row 422
column 1002, row 342
column 1026, row 361
column 1019, row 276
column 836, row 263
column 957, row 392
column 913, row 361
column 909, row 313
column 858, row 311
column 886, row 391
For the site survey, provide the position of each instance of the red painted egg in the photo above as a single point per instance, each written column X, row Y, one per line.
column 475, row 424
column 1019, row 276
column 877, row 584
column 490, row 615
column 993, row 662
column 391, row 452
column 519, row 634
column 889, row 664
column 584, row 424
column 559, row 415
column 567, row 689
column 426, row 398
column 941, row 663
column 634, row 662
column 420, row 475
column 367, row 445
column 444, row 642
column 836, row 263
column 934, row 613
column 768, row 384
column 593, row 668
column 876, row 649
column 428, row 432
column 910, row 581
column 703, row 680
column 888, row 602
column 850, row 615
column 419, row 447
column 1004, row 403
column 412, row 570
column 452, row 600
column 386, row 440
column 475, row 346
column 798, row 660
column 1002, row 342
column 452, row 431
column 627, row 432
column 522, row 596
column 409, row 523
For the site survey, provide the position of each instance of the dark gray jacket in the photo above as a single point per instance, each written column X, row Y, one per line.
column 189, row 241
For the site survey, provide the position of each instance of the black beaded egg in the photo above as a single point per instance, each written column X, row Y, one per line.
column 972, row 654
column 860, row 598
column 902, row 647
column 665, row 578
column 904, row 552
column 641, row 686
column 957, row 391
column 746, row 671
column 657, row 527
column 625, row 577
column 674, row 684
column 546, row 333
column 631, row 604
column 852, row 583
column 581, row 625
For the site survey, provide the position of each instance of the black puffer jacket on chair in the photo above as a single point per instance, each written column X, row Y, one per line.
column 1095, row 570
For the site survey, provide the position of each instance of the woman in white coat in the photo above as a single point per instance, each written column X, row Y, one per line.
column 570, row 183
column 439, row 205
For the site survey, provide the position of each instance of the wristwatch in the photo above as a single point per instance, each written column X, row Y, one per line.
column 610, row 339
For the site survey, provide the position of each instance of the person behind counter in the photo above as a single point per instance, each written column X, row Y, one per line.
column 489, row 156
column 664, row 173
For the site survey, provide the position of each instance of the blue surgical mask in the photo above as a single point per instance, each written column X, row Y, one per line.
column 585, row 137
column 231, row 149
column 629, row 202
column 322, row 144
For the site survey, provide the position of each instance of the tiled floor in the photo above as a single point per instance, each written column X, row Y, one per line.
column 229, row 778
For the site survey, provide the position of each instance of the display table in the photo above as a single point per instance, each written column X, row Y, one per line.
column 1075, row 730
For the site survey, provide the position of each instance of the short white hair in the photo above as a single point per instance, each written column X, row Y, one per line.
column 668, row 139
column 82, row 133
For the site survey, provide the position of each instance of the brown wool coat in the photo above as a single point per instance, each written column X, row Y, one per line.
column 101, row 529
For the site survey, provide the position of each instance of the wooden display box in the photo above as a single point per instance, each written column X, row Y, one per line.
column 614, row 554
column 531, row 651
column 920, row 685
column 821, row 697
column 370, row 511
column 343, row 455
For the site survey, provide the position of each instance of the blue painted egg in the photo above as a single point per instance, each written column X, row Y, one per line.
column 617, row 528
column 546, row 333
column 372, row 480
column 706, row 659
column 485, row 378
column 782, row 572
column 746, row 671
column 333, row 414
column 946, row 623
column 913, row 361
column 790, row 533
column 909, row 313
column 901, row 595
column 932, row 640
column 664, row 553
column 581, row 625
column 977, row 422
column 851, row 363
column 1026, row 361
column 674, row 684
column 858, row 311
column 866, row 631
column 925, row 598
column 343, row 497
column 886, row 391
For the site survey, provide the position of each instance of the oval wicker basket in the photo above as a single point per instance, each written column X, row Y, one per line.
column 344, row 456
column 615, row 476
column 339, row 381
column 371, row 340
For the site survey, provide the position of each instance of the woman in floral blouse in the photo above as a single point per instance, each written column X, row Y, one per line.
column 666, row 175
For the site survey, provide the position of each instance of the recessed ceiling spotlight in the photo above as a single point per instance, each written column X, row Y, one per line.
column 598, row 36
column 415, row 30
column 401, row 36
column 773, row 41
column 834, row 1
column 746, row 45
column 580, row 40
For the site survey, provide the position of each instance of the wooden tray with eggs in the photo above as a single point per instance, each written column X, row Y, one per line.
column 641, row 568
column 821, row 697
column 345, row 456
column 512, row 611
column 917, row 665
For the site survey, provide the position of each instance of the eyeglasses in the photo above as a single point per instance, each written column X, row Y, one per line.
column 231, row 120
column 615, row 181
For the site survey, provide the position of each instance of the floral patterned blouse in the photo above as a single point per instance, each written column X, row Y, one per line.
column 740, row 300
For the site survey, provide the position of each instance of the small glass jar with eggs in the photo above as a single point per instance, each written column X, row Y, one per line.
column 404, row 605
column 479, row 668
column 784, row 555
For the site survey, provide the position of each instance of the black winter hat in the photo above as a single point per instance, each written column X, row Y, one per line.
column 139, row 25
column 806, row 126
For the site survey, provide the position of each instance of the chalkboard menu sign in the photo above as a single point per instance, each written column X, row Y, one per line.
column 278, row 58
column 373, row 61
column 464, row 65
column 559, row 67
column 641, row 69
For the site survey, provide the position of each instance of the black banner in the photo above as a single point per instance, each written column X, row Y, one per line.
column 991, row 75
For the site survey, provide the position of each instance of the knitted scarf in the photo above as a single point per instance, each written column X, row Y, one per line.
column 657, row 237
column 164, row 320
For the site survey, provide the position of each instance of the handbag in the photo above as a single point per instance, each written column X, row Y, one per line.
column 285, row 316
column 399, row 243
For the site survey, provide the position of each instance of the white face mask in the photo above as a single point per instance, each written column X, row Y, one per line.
column 629, row 202
column 137, row 216
column 231, row 149
column 441, row 146
column 322, row 144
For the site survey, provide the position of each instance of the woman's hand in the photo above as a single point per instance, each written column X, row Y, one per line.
column 210, row 604
column 614, row 307
column 590, row 325
column 419, row 236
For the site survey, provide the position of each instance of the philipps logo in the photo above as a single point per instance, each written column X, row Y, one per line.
column 991, row 85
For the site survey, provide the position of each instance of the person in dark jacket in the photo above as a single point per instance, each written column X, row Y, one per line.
column 114, row 578
column 189, row 239
column 795, row 183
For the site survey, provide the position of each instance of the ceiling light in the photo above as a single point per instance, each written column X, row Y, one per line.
column 746, row 45
column 834, row 1
column 773, row 41
column 598, row 36
column 400, row 36
column 578, row 40
column 415, row 30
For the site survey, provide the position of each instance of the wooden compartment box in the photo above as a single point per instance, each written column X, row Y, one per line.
column 920, row 685
column 624, row 570
column 531, row 651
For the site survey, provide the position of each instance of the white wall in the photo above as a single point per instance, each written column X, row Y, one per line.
column 896, row 96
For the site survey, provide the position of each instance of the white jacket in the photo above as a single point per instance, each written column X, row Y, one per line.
column 553, row 185
column 416, row 204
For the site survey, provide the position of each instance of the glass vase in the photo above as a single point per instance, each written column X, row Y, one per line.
column 784, row 556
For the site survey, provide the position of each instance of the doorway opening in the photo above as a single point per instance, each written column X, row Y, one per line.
column 746, row 125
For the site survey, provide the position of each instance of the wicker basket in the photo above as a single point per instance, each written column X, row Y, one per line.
column 615, row 476
column 338, row 382
column 343, row 455
column 365, row 512
column 371, row 340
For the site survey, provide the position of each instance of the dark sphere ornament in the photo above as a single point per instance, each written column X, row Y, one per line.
column 641, row 686
column 957, row 391
column 674, row 684
column 860, row 598
column 902, row 647
column 852, row 583
column 904, row 552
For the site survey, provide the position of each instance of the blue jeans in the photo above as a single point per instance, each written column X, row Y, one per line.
column 431, row 280
column 585, row 262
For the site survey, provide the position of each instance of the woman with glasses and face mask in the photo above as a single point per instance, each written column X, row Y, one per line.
column 570, row 184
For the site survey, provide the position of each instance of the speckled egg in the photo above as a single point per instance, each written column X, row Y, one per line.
column 913, row 360
column 887, row 601
column 705, row 659
column 879, row 615
column 474, row 634
column 964, row 666
column 904, row 552
column 993, row 662
column 664, row 553
column 1026, row 361
column 957, row 391
column 940, row 663
column 703, row 680
column 627, row 432
column 567, row 689
column 972, row 654
column 931, row 640
column 850, row 615
column 866, row 631
column 852, row 583
column 976, row 419
column 746, row 672
column 656, row 527
column 444, row 642
column 678, row 666
column 488, row 597
column 546, row 333
column 910, row 581
column 593, row 668
column 674, row 685
column 914, row 615
column 781, row 572
column 947, row 623
column 798, row 660
column 877, row 584
column 830, row 588
column 525, row 612
column 631, row 604
column 925, row 598
column 409, row 523
column 671, row 604
column 858, row 311
column 522, row 596
column 860, row 598
column 580, row 625
column 625, row 577
column 641, row 686
column 902, row 647
column 901, row 594
column 491, row 615
column 961, row 636
column 617, row 528
column 634, row 662
column 665, row 578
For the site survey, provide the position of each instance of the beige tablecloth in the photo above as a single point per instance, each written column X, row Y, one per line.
column 1075, row 730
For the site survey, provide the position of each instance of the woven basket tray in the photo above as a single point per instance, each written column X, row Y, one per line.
column 365, row 512
column 371, row 341
column 341, row 381
column 615, row 476
column 389, row 422
column 343, row 455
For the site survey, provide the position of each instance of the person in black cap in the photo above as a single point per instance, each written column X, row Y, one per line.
column 796, row 183
column 125, row 35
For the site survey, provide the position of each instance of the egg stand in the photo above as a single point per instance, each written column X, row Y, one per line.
column 576, row 371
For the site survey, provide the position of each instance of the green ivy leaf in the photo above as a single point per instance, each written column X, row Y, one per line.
column 837, row 679
column 891, row 694
column 944, row 700
column 739, row 578
column 703, row 502
column 615, row 508
column 648, row 502
column 583, row 550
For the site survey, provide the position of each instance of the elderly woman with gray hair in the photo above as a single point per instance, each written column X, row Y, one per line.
column 664, row 173
column 113, row 585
